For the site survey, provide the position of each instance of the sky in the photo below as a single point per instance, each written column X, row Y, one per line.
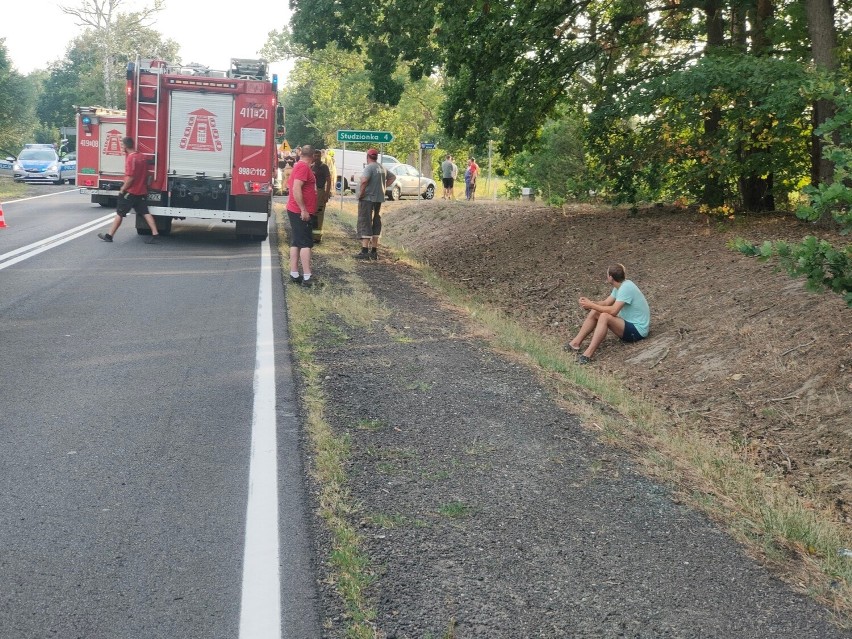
column 207, row 34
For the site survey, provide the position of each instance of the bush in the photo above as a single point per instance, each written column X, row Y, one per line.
column 824, row 265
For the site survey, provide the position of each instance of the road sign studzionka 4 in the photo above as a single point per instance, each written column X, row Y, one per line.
column 379, row 137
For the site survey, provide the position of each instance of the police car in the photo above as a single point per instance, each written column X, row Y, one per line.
column 41, row 163
column 6, row 166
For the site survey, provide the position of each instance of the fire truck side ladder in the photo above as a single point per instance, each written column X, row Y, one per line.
column 147, row 98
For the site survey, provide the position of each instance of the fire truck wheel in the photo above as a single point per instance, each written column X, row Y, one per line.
column 143, row 231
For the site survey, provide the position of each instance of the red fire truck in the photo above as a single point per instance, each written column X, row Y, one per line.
column 100, row 155
column 209, row 137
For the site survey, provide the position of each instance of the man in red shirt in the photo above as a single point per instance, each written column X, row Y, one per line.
column 301, row 206
column 133, row 193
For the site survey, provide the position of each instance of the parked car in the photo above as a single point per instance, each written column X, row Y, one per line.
column 409, row 181
column 41, row 163
column 6, row 166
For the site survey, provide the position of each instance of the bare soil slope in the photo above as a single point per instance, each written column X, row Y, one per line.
column 734, row 342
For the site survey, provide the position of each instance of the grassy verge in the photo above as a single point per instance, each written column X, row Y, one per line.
column 803, row 544
column 10, row 190
column 310, row 314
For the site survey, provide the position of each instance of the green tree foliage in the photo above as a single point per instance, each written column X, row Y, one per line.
column 654, row 144
column 503, row 64
column 833, row 199
column 700, row 99
column 823, row 265
column 329, row 89
column 557, row 169
column 16, row 100
column 77, row 79
column 118, row 36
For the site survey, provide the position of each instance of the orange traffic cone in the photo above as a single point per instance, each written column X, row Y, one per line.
column 2, row 221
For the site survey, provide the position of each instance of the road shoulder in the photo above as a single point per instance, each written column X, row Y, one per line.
column 486, row 509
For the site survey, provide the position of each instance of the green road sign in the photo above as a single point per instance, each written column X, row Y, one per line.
column 379, row 137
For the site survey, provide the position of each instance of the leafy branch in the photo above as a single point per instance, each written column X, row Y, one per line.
column 824, row 265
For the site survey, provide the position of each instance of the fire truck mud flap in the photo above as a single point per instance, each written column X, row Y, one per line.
column 164, row 225
column 257, row 231
column 105, row 201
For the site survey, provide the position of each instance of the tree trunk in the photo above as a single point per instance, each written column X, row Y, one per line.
column 755, row 190
column 823, row 35
column 714, row 192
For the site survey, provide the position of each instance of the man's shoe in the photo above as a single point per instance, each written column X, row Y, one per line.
column 582, row 359
column 153, row 239
column 308, row 283
column 296, row 280
column 374, row 255
column 105, row 237
column 363, row 255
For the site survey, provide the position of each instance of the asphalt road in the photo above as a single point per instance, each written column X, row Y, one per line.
column 128, row 394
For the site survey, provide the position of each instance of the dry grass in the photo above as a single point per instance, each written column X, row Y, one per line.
column 307, row 312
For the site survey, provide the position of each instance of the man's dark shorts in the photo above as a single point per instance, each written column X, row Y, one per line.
column 448, row 183
column 301, row 232
column 630, row 333
column 369, row 219
column 138, row 203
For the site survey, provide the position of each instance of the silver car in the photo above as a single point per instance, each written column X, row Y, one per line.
column 409, row 181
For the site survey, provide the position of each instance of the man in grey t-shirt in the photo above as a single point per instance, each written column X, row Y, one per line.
column 375, row 180
column 447, row 177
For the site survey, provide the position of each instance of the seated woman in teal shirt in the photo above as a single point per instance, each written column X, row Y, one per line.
column 625, row 312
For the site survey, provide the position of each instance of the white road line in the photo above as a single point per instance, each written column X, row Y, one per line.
column 260, row 610
column 25, row 252
column 35, row 197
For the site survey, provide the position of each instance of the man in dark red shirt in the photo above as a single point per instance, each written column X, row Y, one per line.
column 133, row 192
column 301, row 205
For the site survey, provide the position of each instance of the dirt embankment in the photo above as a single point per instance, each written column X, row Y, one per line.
column 734, row 343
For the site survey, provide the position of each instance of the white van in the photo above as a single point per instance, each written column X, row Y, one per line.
column 351, row 164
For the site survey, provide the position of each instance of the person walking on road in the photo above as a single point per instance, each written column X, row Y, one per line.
column 133, row 193
column 323, row 178
column 625, row 312
column 375, row 180
column 301, row 206
column 447, row 177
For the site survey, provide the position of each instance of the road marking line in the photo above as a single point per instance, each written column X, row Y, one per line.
column 260, row 609
column 35, row 197
column 25, row 252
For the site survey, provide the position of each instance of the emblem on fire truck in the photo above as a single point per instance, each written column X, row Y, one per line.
column 112, row 143
column 201, row 133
